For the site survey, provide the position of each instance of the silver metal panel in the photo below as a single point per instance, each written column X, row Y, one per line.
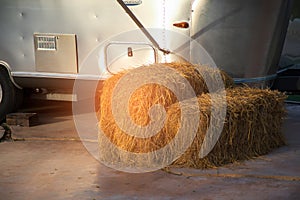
column 55, row 53
column 243, row 37
column 92, row 21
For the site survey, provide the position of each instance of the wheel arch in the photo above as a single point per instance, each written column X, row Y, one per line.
column 5, row 65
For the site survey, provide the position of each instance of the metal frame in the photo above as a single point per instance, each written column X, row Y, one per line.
column 127, row 43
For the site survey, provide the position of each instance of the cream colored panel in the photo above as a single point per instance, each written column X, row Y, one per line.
column 55, row 53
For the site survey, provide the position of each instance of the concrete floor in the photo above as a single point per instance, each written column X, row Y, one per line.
column 52, row 163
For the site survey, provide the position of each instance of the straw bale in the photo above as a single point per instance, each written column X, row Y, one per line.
column 157, row 94
column 144, row 98
column 252, row 127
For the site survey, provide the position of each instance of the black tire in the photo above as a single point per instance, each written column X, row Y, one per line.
column 10, row 94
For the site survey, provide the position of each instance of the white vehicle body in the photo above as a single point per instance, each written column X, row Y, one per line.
column 47, row 43
column 78, row 27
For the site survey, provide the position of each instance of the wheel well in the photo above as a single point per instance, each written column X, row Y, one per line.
column 6, row 67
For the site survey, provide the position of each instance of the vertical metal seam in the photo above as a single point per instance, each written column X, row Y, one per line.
column 164, row 29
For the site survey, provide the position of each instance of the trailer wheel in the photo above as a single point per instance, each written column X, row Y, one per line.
column 9, row 94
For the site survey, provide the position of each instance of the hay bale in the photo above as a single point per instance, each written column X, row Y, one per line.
column 252, row 127
column 197, row 76
column 144, row 98
column 157, row 94
column 138, row 105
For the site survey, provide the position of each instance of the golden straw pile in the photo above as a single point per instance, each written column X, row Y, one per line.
column 144, row 98
column 148, row 95
column 251, row 128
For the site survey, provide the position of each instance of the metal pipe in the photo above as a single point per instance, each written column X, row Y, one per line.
column 141, row 26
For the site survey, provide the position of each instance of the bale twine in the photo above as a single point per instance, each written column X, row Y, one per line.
column 252, row 127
